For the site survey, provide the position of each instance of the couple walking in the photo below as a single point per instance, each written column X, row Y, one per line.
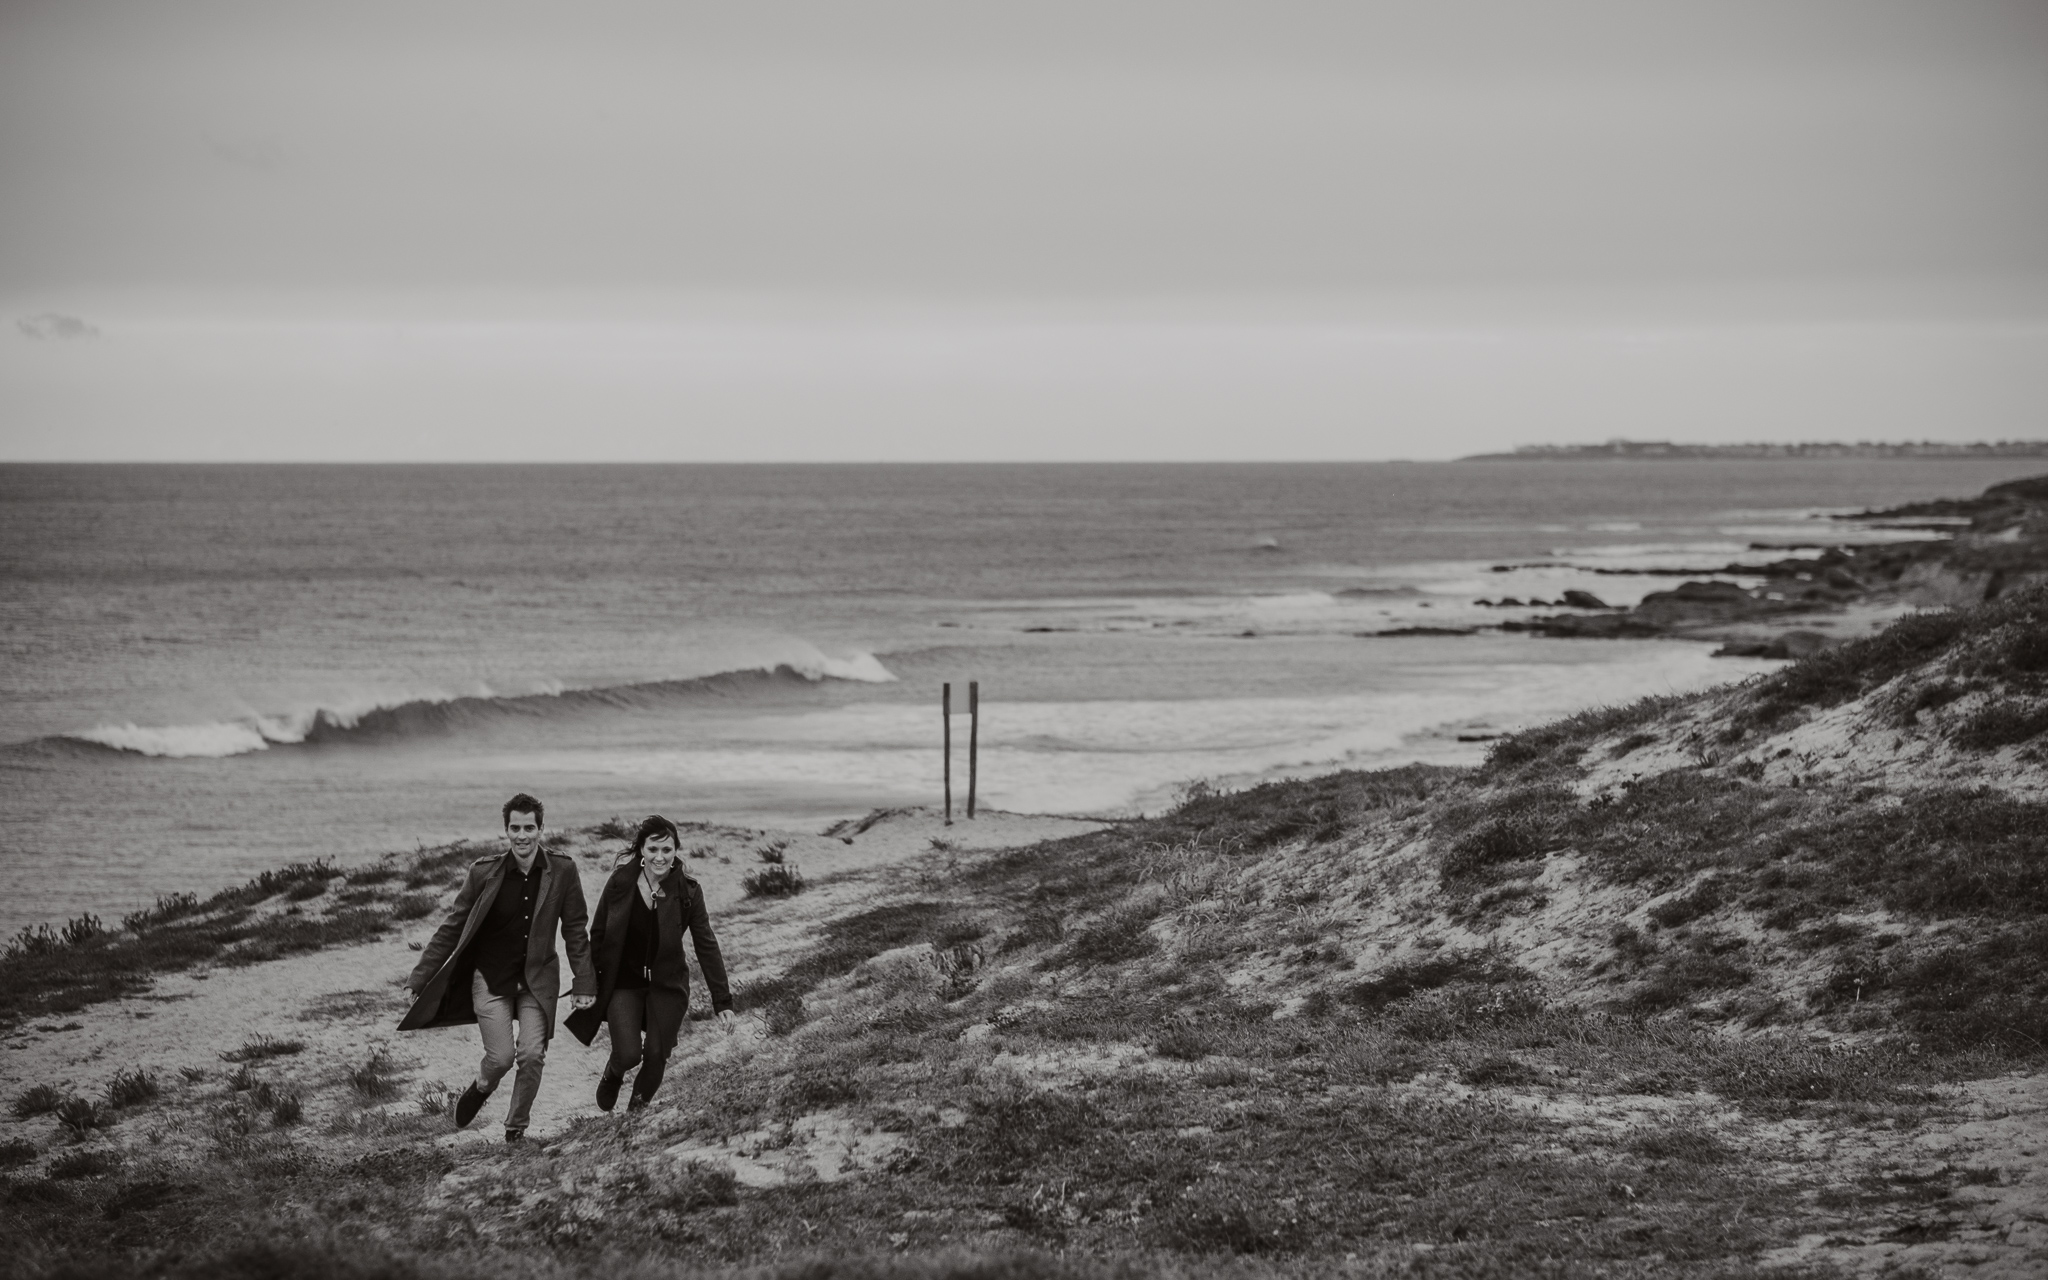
column 492, row 962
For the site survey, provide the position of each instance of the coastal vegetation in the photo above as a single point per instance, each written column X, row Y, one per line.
column 46, row 971
column 1670, row 988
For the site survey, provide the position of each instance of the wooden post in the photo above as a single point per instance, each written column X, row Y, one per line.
column 946, row 717
column 973, row 740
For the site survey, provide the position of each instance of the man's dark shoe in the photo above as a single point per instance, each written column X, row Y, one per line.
column 515, row 1135
column 636, row 1102
column 608, row 1091
column 471, row 1102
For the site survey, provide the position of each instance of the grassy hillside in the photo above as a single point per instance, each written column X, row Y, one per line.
column 1661, row 989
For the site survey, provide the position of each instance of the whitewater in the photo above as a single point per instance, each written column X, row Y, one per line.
column 331, row 724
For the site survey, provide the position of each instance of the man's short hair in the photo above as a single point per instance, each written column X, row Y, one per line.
column 523, row 803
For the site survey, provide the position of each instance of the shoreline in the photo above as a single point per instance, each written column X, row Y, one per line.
column 1991, row 544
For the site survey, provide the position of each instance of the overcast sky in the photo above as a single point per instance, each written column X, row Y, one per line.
column 862, row 231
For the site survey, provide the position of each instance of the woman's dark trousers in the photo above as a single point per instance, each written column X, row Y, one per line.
column 655, row 1013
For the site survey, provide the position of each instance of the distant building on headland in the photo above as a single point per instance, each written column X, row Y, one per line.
column 1662, row 449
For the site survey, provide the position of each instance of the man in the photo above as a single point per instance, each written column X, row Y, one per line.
column 492, row 962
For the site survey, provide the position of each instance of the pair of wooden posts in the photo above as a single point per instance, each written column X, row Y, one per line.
column 973, row 741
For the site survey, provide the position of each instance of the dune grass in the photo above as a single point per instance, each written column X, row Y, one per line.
column 47, row 971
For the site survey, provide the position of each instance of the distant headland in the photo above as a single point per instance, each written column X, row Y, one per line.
column 1662, row 449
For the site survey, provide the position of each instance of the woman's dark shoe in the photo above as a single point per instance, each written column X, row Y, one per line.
column 515, row 1135
column 637, row 1102
column 608, row 1091
column 471, row 1102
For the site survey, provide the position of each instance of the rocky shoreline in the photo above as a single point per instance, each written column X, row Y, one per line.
column 1988, row 546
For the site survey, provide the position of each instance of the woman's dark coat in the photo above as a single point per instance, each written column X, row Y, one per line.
column 558, row 901
column 680, row 907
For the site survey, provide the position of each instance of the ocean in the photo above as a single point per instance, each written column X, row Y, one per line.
column 213, row 670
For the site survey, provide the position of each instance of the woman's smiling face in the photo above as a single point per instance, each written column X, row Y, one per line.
column 657, row 856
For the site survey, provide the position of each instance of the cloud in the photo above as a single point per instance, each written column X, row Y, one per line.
column 51, row 327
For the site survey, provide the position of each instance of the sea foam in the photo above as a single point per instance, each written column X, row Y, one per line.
column 221, row 738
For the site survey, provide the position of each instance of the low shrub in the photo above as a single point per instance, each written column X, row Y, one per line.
column 1704, row 899
column 849, row 940
column 1552, row 742
column 16, row 1152
column 1946, row 853
column 81, row 1116
column 1927, row 697
column 778, row 1000
column 1780, row 1069
column 169, row 907
column 815, row 1087
column 772, row 853
column 1834, row 675
column 1464, row 1010
column 1664, row 829
column 1183, row 1040
column 1312, row 810
column 47, row 970
column 1680, row 977
column 1632, row 743
column 1009, row 1125
column 1402, row 981
column 1498, row 1071
column 260, row 1048
column 36, row 1100
column 132, row 1088
column 1224, row 1217
column 436, row 1099
column 2001, row 724
column 695, row 1185
column 1692, row 1145
column 1500, row 841
column 305, row 890
column 42, row 940
column 1989, row 990
column 414, row 906
column 614, row 828
column 1124, row 933
column 84, row 1164
column 372, row 1081
column 140, row 1197
column 774, row 881
column 403, row 1166
column 286, row 1110
column 279, row 880
column 284, row 935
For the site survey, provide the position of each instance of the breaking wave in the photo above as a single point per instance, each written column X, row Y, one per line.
column 425, row 716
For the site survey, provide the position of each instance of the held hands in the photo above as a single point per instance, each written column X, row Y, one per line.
column 582, row 1002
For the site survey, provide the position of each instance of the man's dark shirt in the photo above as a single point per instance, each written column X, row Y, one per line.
column 499, row 949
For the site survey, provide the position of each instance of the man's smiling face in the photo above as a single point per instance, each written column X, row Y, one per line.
column 522, row 834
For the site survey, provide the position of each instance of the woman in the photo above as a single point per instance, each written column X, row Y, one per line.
column 643, row 982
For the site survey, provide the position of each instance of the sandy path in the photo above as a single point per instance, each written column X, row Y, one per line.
column 344, row 1003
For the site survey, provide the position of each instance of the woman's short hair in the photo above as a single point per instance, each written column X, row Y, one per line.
column 651, row 826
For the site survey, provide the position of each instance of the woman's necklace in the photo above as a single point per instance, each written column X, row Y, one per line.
column 654, row 892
